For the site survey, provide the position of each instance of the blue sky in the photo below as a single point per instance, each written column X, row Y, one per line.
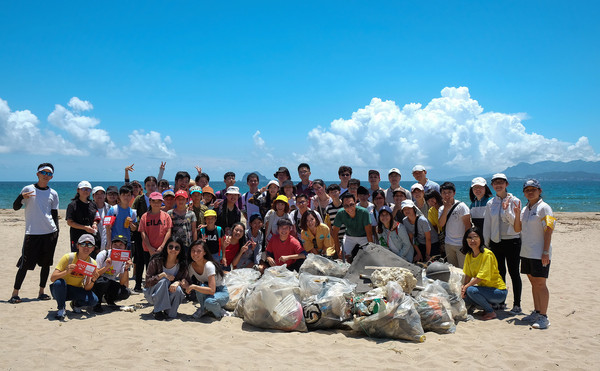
column 256, row 85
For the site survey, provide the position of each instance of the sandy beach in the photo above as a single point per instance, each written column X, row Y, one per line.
column 33, row 339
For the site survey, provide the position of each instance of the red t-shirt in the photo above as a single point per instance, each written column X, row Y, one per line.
column 231, row 251
column 156, row 227
column 279, row 248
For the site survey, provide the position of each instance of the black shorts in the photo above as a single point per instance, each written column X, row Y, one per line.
column 534, row 267
column 38, row 249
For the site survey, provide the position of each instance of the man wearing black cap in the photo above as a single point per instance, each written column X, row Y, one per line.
column 41, row 230
column 113, row 280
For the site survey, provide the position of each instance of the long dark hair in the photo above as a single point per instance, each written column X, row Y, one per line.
column 432, row 193
column 379, row 192
column 304, row 222
column 242, row 240
column 488, row 194
column 207, row 256
column 181, row 258
column 380, row 224
column 465, row 249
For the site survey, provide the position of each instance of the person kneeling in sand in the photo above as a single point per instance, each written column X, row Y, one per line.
column 71, row 285
column 113, row 283
column 205, row 277
column 285, row 249
column 482, row 285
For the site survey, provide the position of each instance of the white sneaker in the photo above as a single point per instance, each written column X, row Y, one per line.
column 541, row 323
column 61, row 314
column 531, row 318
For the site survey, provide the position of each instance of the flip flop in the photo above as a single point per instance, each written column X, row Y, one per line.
column 15, row 300
column 43, row 297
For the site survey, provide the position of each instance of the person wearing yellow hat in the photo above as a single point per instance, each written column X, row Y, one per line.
column 213, row 235
column 280, row 209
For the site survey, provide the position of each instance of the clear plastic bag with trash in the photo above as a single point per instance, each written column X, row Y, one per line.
column 321, row 266
column 397, row 320
column 325, row 300
column 454, row 277
column 273, row 302
column 237, row 281
column 433, row 305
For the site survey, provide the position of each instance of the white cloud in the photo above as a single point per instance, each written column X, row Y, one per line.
column 80, row 105
column 261, row 150
column 451, row 133
column 151, row 144
column 20, row 132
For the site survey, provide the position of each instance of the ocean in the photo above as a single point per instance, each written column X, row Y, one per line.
column 560, row 195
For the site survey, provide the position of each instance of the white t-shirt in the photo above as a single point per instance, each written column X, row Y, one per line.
column 116, row 267
column 209, row 270
column 455, row 228
column 534, row 222
column 38, row 218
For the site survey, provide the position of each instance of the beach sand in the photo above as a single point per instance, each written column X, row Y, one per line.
column 33, row 339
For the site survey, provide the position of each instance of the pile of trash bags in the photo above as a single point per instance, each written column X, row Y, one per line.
column 319, row 298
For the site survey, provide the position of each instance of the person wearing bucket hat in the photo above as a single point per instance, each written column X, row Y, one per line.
column 499, row 234
column 208, row 197
column 213, row 235
column 479, row 194
column 280, row 209
column 41, row 230
column 68, row 284
column 184, row 220
column 265, row 200
column 82, row 216
column 282, row 174
column 536, row 223
column 426, row 244
column 229, row 212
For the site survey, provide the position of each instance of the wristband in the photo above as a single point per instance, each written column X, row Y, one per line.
column 546, row 252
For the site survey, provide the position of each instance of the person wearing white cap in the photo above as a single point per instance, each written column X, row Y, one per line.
column 228, row 213
column 268, row 195
column 394, row 177
column 426, row 244
column 420, row 175
column 99, row 196
column 500, row 235
column 41, row 230
column 418, row 193
column 479, row 194
column 82, row 216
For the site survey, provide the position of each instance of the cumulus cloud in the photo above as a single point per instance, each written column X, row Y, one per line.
column 450, row 132
column 20, row 132
column 261, row 150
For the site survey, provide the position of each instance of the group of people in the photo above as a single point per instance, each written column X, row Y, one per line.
column 187, row 237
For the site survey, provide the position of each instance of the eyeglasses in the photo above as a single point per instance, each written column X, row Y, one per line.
column 174, row 247
column 87, row 244
column 349, row 205
column 47, row 173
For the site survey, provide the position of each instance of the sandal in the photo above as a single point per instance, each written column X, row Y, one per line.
column 43, row 297
column 15, row 300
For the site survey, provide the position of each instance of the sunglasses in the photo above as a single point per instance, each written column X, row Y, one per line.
column 174, row 247
column 346, row 174
column 47, row 173
column 348, row 206
column 87, row 244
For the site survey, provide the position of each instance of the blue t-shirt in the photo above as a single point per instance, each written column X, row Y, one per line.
column 118, row 227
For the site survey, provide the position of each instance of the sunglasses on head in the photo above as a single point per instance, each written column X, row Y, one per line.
column 47, row 173
column 174, row 247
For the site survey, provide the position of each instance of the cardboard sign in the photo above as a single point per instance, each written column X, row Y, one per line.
column 84, row 268
column 120, row 255
column 108, row 220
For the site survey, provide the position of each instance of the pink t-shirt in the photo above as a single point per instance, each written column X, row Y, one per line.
column 156, row 227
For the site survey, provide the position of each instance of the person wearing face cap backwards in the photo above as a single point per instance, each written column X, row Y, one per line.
column 41, row 230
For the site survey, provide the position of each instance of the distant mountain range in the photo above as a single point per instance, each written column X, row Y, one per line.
column 549, row 170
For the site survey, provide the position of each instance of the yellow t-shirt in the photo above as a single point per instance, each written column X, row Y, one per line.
column 433, row 217
column 323, row 239
column 73, row 279
column 485, row 267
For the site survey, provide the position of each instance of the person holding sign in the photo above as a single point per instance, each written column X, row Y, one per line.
column 74, row 278
column 113, row 280
column 163, row 280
